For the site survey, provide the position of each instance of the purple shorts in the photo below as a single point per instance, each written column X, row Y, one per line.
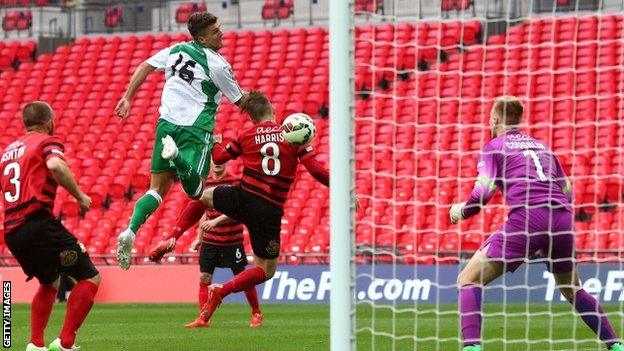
column 540, row 232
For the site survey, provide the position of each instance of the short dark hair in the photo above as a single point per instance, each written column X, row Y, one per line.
column 510, row 109
column 36, row 113
column 256, row 105
column 199, row 21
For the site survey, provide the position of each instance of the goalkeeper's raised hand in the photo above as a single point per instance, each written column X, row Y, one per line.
column 456, row 212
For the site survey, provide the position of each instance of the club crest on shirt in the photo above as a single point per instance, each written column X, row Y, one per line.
column 273, row 247
column 68, row 258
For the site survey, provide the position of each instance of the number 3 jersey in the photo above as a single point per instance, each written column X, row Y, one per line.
column 525, row 170
column 195, row 79
column 26, row 183
column 269, row 162
column 230, row 233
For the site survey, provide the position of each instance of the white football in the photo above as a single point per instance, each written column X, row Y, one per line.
column 298, row 129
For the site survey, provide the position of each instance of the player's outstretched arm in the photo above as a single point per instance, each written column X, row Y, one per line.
column 317, row 170
column 139, row 76
column 63, row 175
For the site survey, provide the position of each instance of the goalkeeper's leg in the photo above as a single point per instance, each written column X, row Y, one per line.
column 588, row 307
column 479, row 272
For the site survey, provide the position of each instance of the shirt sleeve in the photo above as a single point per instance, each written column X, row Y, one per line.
column 221, row 154
column 159, row 59
column 305, row 152
column 53, row 147
column 317, row 170
column 223, row 78
column 485, row 185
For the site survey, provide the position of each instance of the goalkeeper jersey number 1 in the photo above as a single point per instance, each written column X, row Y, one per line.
column 195, row 79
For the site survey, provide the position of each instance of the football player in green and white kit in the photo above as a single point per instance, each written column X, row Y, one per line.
column 196, row 77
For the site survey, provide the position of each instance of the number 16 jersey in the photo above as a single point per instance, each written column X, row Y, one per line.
column 269, row 162
column 195, row 79
column 26, row 183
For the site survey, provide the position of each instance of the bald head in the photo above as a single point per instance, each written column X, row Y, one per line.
column 37, row 115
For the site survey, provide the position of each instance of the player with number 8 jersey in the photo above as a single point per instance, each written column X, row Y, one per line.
column 196, row 77
column 269, row 169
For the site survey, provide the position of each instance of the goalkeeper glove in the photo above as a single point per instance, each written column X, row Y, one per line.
column 456, row 212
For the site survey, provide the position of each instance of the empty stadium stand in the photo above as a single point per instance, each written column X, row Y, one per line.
column 408, row 167
column 277, row 9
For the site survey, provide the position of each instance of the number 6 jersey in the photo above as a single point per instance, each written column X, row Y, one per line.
column 195, row 79
column 269, row 162
column 26, row 183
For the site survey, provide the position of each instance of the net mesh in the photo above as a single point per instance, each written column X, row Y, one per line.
column 426, row 74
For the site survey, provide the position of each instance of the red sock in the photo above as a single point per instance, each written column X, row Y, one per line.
column 79, row 304
column 245, row 280
column 203, row 294
column 252, row 298
column 191, row 214
column 40, row 313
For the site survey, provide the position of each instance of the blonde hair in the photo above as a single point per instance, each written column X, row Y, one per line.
column 509, row 108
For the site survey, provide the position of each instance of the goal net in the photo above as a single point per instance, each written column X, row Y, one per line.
column 426, row 74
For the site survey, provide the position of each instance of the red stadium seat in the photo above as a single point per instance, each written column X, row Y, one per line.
column 113, row 16
column 25, row 20
column 10, row 19
column 563, row 86
column 183, row 12
column 370, row 6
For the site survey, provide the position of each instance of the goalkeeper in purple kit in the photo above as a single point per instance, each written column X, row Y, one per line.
column 540, row 221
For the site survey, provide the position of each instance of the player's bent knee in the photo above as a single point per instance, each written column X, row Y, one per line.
column 269, row 267
column 269, row 273
column 97, row 279
column 205, row 278
column 55, row 284
column 161, row 183
column 461, row 281
column 464, row 278
column 568, row 293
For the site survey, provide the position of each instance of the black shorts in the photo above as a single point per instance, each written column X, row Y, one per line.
column 211, row 256
column 44, row 248
column 262, row 218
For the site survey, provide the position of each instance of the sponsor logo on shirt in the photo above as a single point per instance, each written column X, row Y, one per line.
column 518, row 137
column 264, row 130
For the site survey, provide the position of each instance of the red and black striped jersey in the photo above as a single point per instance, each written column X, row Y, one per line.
column 269, row 162
column 26, row 183
column 229, row 233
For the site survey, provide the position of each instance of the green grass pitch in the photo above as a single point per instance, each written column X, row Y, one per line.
column 291, row 327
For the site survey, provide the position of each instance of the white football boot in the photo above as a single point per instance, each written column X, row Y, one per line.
column 56, row 346
column 170, row 149
column 125, row 240
column 32, row 347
